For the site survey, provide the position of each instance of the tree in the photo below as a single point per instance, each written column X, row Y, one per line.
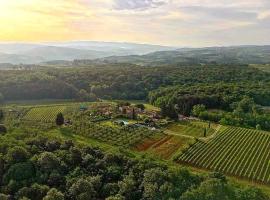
column 17, row 154
column 133, row 114
column 258, row 127
column 246, row 105
column 212, row 188
column 129, row 187
column 48, row 161
column 4, row 197
column 1, row 168
column 85, row 188
column 34, row 192
column 83, row 95
column 1, row 98
column 141, row 106
column 123, row 103
column 59, row 119
column 204, row 132
column 54, row 194
column 1, row 114
column 116, row 197
column 20, row 172
column 197, row 109
column 251, row 193
column 3, row 129
column 155, row 184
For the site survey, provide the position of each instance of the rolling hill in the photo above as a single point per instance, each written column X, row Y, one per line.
column 208, row 55
column 27, row 53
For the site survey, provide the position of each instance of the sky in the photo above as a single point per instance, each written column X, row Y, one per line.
column 191, row 23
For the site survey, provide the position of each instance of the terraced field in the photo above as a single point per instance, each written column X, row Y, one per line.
column 239, row 152
column 44, row 114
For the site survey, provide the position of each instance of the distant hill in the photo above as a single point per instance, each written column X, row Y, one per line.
column 116, row 48
column 215, row 55
column 16, row 53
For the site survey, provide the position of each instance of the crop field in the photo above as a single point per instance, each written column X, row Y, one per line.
column 119, row 136
column 194, row 129
column 44, row 114
column 165, row 146
column 239, row 152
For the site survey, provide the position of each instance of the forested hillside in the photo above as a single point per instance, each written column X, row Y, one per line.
column 208, row 55
column 119, row 81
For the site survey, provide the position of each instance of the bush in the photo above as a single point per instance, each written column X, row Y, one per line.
column 3, row 129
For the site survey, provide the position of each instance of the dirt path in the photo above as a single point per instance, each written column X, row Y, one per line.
column 175, row 134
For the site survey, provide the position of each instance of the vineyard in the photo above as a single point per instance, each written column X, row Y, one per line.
column 45, row 114
column 238, row 152
column 120, row 136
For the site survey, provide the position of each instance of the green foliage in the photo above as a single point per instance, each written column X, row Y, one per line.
column 17, row 154
column 83, row 96
column 197, row 109
column 1, row 98
column 24, row 171
column 3, row 129
column 54, row 194
column 1, row 114
column 57, row 170
column 141, row 106
column 119, row 81
column 59, row 119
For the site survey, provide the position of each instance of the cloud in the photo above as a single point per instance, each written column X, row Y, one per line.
column 138, row 4
column 169, row 22
column 264, row 15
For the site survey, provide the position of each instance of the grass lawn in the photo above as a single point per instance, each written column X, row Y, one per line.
column 194, row 128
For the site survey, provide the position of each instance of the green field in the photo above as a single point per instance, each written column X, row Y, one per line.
column 238, row 152
column 43, row 113
column 194, row 128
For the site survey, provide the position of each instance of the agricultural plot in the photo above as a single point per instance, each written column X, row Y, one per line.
column 194, row 129
column 45, row 114
column 238, row 152
column 164, row 147
column 119, row 136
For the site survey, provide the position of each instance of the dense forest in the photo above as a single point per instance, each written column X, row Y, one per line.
column 123, row 81
column 232, row 104
column 36, row 167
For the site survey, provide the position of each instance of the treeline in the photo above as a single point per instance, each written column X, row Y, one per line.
column 39, row 168
column 181, row 99
column 238, row 104
column 116, row 81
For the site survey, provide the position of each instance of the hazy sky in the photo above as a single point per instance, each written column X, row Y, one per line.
column 167, row 22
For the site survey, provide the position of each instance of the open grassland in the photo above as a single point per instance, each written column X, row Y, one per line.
column 239, row 152
column 44, row 113
column 194, row 128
